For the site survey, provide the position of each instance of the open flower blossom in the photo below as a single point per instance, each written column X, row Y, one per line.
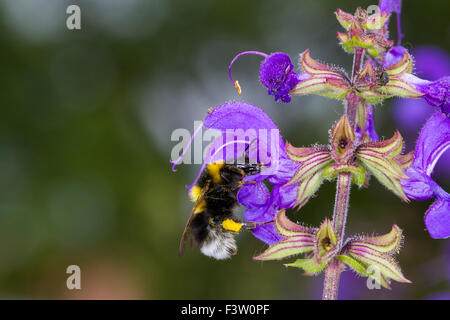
column 390, row 6
column 242, row 124
column 431, row 62
column 434, row 140
column 276, row 73
column 436, row 93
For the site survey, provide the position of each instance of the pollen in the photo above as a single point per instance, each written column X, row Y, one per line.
column 231, row 225
column 238, row 87
column 195, row 193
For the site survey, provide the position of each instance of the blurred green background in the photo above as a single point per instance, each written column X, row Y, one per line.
column 85, row 146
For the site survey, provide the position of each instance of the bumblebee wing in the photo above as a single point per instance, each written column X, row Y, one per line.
column 185, row 234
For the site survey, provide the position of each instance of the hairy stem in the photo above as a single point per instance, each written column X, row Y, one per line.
column 358, row 60
column 331, row 284
column 334, row 268
column 344, row 181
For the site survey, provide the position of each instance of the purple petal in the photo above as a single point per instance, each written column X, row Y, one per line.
column 370, row 127
column 437, row 94
column 287, row 196
column 243, row 124
column 437, row 219
column 277, row 75
column 274, row 69
column 254, row 196
column 417, row 186
column 238, row 115
column 431, row 62
column 433, row 140
column 393, row 56
column 262, row 213
column 285, row 172
column 267, row 233
column 391, row 6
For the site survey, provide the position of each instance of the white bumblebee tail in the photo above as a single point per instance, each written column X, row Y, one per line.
column 219, row 245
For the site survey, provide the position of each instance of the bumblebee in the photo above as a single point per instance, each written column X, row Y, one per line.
column 212, row 223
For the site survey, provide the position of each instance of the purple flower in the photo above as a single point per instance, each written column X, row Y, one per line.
column 390, row 6
column 434, row 140
column 239, row 122
column 370, row 126
column 437, row 94
column 431, row 63
column 394, row 55
column 276, row 74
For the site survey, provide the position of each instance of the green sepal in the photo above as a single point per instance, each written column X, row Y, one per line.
column 366, row 253
column 297, row 239
column 358, row 172
column 286, row 248
column 362, row 270
column 379, row 158
column 309, row 265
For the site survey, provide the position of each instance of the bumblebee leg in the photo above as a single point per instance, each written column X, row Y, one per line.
column 241, row 183
column 248, row 225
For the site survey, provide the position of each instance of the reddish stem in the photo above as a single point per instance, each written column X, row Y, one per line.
column 344, row 181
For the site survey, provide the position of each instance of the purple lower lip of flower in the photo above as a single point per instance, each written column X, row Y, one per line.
column 437, row 94
column 276, row 74
column 434, row 140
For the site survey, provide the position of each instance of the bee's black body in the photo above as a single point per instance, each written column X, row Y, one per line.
column 213, row 222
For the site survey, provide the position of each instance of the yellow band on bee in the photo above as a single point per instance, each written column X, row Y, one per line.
column 214, row 170
column 231, row 225
column 195, row 194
